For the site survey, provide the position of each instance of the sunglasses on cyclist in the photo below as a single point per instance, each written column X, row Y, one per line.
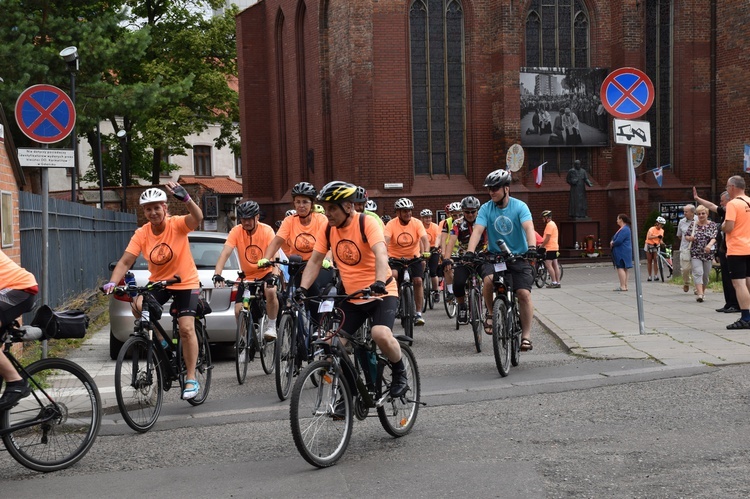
column 494, row 188
column 469, row 212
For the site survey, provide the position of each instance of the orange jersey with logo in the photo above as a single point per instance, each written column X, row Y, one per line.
column 13, row 276
column 433, row 231
column 167, row 254
column 354, row 258
column 554, row 239
column 404, row 241
column 652, row 237
column 299, row 239
column 738, row 241
column 251, row 248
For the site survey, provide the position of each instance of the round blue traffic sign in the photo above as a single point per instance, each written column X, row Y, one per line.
column 627, row 93
column 45, row 114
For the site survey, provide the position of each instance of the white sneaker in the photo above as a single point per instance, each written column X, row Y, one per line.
column 269, row 334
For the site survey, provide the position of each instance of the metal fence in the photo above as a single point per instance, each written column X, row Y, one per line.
column 83, row 240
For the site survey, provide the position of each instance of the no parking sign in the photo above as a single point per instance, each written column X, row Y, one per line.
column 45, row 114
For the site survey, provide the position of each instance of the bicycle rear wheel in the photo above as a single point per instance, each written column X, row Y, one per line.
column 540, row 276
column 285, row 353
column 398, row 415
column 138, row 383
column 407, row 312
column 475, row 307
column 559, row 266
column 501, row 342
column 451, row 306
column 267, row 348
column 71, row 404
column 320, row 413
column 203, row 366
column 241, row 344
column 515, row 332
column 660, row 261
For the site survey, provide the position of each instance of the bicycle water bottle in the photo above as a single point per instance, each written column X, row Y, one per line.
column 407, row 277
column 504, row 250
column 130, row 281
column 246, row 297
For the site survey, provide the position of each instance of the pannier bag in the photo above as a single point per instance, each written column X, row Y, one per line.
column 61, row 325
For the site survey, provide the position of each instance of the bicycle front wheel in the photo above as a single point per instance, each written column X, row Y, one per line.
column 451, row 306
column 660, row 260
column 285, row 353
column 540, row 276
column 138, row 383
column 475, row 306
column 515, row 332
column 407, row 311
column 69, row 404
column 501, row 341
column 267, row 348
column 320, row 413
column 560, row 267
column 398, row 415
column 241, row 344
column 203, row 365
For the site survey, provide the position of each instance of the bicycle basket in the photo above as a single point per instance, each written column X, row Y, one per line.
column 61, row 325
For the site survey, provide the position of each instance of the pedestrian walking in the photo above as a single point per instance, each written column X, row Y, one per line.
column 682, row 230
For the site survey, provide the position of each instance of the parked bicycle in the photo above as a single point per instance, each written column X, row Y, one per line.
column 664, row 261
column 541, row 276
column 473, row 300
column 251, row 322
column 406, row 305
column 57, row 424
column 335, row 388
column 147, row 366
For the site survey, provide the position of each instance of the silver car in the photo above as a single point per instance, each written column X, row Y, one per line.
column 205, row 248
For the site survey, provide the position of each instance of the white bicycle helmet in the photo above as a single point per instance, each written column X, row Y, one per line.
column 425, row 213
column 660, row 220
column 403, row 204
column 289, row 213
column 153, row 195
column 454, row 207
column 371, row 205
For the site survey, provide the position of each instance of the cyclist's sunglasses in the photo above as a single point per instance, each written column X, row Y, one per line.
column 494, row 188
column 469, row 212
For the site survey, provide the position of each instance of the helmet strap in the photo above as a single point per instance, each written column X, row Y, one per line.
column 501, row 203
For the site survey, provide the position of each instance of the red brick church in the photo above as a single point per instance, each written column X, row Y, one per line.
column 422, row 98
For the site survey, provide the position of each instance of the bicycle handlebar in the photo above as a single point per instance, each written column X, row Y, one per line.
column 151, row 286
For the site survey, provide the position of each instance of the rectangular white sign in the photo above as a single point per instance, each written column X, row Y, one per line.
column 632, row 133
column 46, row 158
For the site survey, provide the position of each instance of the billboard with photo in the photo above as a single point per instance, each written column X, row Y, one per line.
column 560, row 107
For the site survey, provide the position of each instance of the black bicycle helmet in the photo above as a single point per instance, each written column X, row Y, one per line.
column 470, row 203
column 337, row 192
column 248, row 209
column 360, row 196
column 304, row 189
column 386, row 218
column 546, row 213
column 498, row 178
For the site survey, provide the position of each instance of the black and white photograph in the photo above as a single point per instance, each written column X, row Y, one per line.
column 560, row 107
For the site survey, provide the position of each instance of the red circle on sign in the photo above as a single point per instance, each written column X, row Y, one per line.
column 45, row 114
column 627, row 93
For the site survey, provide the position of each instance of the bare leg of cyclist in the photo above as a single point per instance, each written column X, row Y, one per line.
column 189, row 344
column 527, row 313
column 418, row 295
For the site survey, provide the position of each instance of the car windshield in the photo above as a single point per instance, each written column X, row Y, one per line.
column 205, row 253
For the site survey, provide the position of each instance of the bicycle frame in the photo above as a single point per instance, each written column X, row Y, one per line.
column 43, row 416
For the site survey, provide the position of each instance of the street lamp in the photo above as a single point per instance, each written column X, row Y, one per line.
column 121, row 134
column 70, row 56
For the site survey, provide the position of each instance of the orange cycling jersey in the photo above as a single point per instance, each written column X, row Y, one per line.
column 300, row 239
column 353, row 256
column 652, row 237
column 738, row 240
column 553, row 243
column 13, row 276
column 433, row 231
column 251, row 248
column 404, row 241
column 167, row 254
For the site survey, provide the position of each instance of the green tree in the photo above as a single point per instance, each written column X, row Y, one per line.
column 158, row 70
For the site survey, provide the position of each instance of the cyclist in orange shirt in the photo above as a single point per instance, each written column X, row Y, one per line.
column 16, row 298
column 163, row 241
column 551, row 245
column 359, row 263
column 654, row 238
column 406, row 238
column 252, row 238
column 433, row 234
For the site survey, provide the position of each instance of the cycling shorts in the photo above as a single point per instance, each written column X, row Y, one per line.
column 13, row 304
column 739, row 266
column 185, row 301
column 520, row 271
column 383, row 313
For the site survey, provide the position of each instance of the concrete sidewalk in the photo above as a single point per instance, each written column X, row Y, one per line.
column 595, row 321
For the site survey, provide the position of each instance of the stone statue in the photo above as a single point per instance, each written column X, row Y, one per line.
column 578, row 180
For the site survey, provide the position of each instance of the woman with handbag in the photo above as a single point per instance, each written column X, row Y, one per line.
column 702, row 249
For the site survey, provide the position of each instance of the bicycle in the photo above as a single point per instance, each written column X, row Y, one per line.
column 541, row 276
column 431, row 296
column 506, row 314
column 406, row 305
column 249, row 338
column 451, row 306
column 145, row 367
column 664, row 259
column 295, row 329
column 335, row 388
column 474, row 301
column 57, row 424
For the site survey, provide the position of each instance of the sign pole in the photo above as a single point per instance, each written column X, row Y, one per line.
column 45, row 244
column 634, row 242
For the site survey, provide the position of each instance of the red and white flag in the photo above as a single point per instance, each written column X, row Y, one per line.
column 538, row 175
